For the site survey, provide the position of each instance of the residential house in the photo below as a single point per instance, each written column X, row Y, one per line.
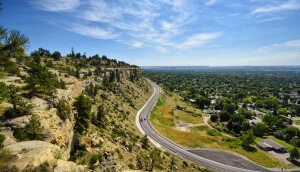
column 268, row 145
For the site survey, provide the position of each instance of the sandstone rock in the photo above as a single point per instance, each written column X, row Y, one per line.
column 9, row 138
column 95, row 142
column 39, row 104
column 19, row 122
column 175, row 167
column 11, row 80
column 32, row 152
column 68, row 166
column 70, row 80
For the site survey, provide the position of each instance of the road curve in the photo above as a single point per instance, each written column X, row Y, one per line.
column 146, row 128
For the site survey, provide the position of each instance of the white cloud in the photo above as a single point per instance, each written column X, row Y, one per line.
column 210, row 2
column 162, row 49
column 137, row 44
column 94, row 32
column 159, row 24
column 55, row 5
column 166, row 25
column 289, row 5
column 198, row 40
column 288, row 44
column 271, row 19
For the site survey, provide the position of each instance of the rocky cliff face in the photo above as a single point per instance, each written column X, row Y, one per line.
column 122, row 74
column 58, row 134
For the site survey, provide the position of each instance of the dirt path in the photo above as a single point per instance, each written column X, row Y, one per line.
column 185, row 126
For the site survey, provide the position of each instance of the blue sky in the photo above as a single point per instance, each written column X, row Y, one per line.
column 163, row 32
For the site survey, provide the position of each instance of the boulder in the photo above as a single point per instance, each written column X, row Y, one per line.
column 19, row 122
column 9, row 138
column 32, row 152
column 68, row 166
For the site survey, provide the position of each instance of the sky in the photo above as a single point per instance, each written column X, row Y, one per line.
column 163, row 32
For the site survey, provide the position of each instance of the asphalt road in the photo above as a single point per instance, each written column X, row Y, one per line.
column 176, row 149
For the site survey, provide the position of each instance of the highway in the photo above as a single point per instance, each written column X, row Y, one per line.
column 173, row 147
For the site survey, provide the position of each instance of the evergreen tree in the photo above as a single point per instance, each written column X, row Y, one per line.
column 101, row 113
column 4, row 93
column 14, row 99
column 41, row 80
column 34, row 128
column 294, row 153
column 145, row 142
column 56, row 55
column 247, row 139
column 155, row 158
column 83, row 107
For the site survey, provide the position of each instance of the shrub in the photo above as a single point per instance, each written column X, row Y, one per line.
column 57, row 154
column 233, row 144
column 5, row 157
column 213, row 132
column 20, row 134
column 130, row 148
column 45, row 167
column 185, row 164
column 131, row 166
column 63, row 109
column 2, row 138
column 167, row 153
column 93, row 159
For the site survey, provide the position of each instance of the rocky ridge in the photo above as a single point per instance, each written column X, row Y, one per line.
column 58, row 134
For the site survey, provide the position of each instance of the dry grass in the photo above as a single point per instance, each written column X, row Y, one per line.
column 188, row 117
column 163, row 121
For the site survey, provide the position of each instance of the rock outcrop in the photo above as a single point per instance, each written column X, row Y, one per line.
column 38, row 152
column 122, row 74
column 58, row 134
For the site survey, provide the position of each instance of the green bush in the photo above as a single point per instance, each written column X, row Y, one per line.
column 233, row 144
column 45, row 167
column 185, row 164
column 131, row 166
column 167, row 153
column 20, row 134
column 57, row 154
column 2, row 138
column 63, row 109
column 130, row 148
column 213, row 132
column 93, row 159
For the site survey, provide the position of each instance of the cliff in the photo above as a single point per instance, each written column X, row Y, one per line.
column 58, row 134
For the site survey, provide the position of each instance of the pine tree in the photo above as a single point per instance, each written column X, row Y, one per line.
column 34, row 128
column 145, row 142
column 83, row 107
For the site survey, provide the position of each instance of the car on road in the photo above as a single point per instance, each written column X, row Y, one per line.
column 141, row 119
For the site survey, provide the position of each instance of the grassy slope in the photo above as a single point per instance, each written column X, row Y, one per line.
column 163, row 122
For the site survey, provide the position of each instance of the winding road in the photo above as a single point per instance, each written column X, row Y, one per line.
column 160, row 141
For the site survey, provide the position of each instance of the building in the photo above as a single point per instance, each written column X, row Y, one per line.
column 268, row 145
column 212, row 111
